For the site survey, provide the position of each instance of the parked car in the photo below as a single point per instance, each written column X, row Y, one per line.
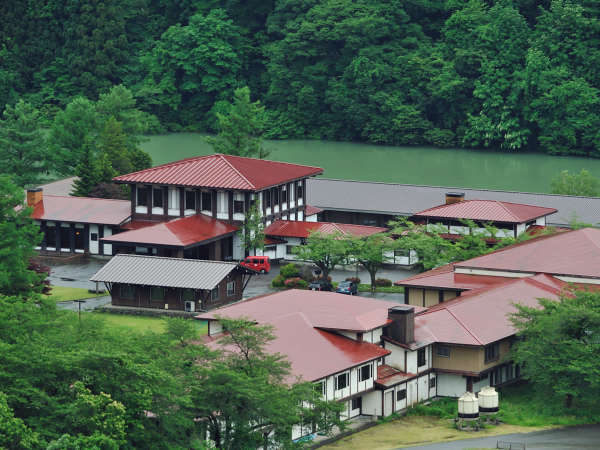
column 347, row 287
column 257, row 263
column 320, row 285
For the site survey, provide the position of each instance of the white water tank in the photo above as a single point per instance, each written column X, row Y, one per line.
column 488, row 400
column 468, row 406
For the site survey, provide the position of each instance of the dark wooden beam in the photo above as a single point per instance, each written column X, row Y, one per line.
column 181, row 202
column 214, row 203
column 230, row 205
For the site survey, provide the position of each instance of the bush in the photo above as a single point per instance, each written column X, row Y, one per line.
column 289, row 271
column 278, row 281
column 354, row 279
column 383, row 282
column 295, row 283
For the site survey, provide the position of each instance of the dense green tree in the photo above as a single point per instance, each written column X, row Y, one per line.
column 558, row 345
column 252, row 236
column 241, row 128
column 582, row 183
column 13, row 432
column 23, row 151
column 325, row 250
column 87, row 174
column 372, row 252
column 18, row 236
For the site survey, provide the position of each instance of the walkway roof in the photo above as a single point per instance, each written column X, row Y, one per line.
column 82, row 210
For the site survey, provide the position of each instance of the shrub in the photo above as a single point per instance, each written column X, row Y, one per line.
column 277, row 281
column 289, row 271
column 383, row 282
column 295, row 283
column 354, row 279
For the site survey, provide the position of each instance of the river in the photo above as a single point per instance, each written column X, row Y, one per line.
column 483, row 169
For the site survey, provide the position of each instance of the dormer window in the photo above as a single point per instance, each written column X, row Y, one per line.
column 364, row 373
column 190, row 200
column 142, row 196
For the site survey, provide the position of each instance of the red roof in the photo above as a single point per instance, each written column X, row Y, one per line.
column 575, row 253
column 482, row 317
column 388, row 375
column 82, row 210
column 180, row 232
column 445, row 277
column 301, row 320
column 311, row 210
column 290, row 228
column 222, row 171
column 487, row 210
column 137, row 224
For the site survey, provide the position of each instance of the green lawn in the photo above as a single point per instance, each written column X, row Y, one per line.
column 65, row 294
column 142, row 324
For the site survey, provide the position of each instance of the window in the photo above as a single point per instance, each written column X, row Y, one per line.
column 443, row 350
column 238, row 206
column 364, row 373
column 276, row 196
column 65, row 237
column 142, row 195
column 206, row 201
column 214, row 294
column 299, row 191
column 357, row 403
column 50, row 235
column 230, row 288
column 431, row 383
column 284, row 195
column 157, row 293
column 79, row 238
column 94, row 236
column 320, row 387
column 127, row 291
column 289, row 249
column 421, row 361
column 492, row 352
column 190, row 200
column 267, row 198
column 157, row 197
column 401, row 395
column 341, row 381
column 173, row 198
column 188, row 295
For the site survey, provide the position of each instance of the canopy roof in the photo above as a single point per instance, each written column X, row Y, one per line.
column 82, row 210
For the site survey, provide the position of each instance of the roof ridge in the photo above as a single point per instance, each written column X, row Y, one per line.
column 223, row 157
column 271, row 160
column 465, row 328
column 510, row 213
column 130, row 255
column 85, row 198
column 169, row 164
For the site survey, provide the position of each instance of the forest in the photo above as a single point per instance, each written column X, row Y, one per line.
column 514, row 75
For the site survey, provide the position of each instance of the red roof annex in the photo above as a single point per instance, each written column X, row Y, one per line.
column 289, row 228
column 82, row 210
column 222, row 171
column 445, row 277
column 181, row 232
column 487, row 210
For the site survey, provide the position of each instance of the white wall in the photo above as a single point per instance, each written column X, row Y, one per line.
column 451, row 385
column 222, row 205
column 94, row 247
column 107, row 247
column 541, row 221
column 173, row 201
column 238, row 251
column 311, row 218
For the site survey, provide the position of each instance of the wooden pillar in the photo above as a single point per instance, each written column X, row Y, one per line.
column 230, row 205
column 165, row 195
column 213, row 203
column 211, row 251
column 264, row 194
column 86, row 238
column 57, row 227
column 246, row 202
column 149, row 188
column 304, row 199
column 100, row 236
column 72, row 238
column 181, row 202
column 218, row 250
column 133, row 199
column 44, row 230
column 198, row 195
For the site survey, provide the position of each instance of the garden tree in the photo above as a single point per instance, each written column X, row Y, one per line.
column 252, row 236
column 191, row 67
column 582, row 183
column 23, row 151
column 241, row 128
column 18, row 236
column 181, row 330
column 371, row 252
column 557, row 347
column 86, row 172
column 13, row 432
column 248, row 398
column 325, row 250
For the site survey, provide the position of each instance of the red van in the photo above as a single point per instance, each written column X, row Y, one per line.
column 259, row 263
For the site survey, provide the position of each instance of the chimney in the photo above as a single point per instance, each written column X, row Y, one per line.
column 34, row 196
column 402, row 328
column 454, row 197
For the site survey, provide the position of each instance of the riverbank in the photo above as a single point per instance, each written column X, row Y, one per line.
column 468, row 168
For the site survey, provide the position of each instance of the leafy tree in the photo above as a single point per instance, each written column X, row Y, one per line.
column 245, row 396
column 241, row 129
column 23, row 152
column 18, row 237
column 13, row 432
column 557, row 347
column 582, row 183
column 371, row 252
column 181, row 330
column 87, row 174
column 252, row 236
column 325, row 250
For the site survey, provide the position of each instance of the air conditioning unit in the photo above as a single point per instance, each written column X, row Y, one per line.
column 189, row 306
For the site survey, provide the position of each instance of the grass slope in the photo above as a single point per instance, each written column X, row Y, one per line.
column 142, row 324
column 65, row 294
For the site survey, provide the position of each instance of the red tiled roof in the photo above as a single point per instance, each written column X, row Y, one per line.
column 388, row 375
column 482, row 317
column 138, row 224
column 575, row 253
column 82, row 210
column 180, row 232
column 222, row 171
column 290, row 228
column 272, row 241
column 487, row 210
column 311, row 210
column 445, row 277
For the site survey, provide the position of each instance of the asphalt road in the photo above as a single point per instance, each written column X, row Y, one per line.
column 582, row 437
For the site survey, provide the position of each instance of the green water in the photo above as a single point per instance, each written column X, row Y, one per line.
column 528, row 172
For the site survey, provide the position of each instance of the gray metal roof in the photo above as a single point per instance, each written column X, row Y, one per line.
column 166, row 272
column 408, row 199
